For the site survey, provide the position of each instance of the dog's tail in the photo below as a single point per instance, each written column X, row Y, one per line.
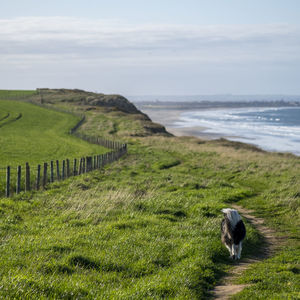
column 232, row 215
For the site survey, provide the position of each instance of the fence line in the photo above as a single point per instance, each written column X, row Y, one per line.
column 13, row 95
column 57, row 170
column 43, row 174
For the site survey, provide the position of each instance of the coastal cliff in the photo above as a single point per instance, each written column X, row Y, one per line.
column 97, row 105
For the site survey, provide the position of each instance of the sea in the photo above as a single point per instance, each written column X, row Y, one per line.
column 272, row 129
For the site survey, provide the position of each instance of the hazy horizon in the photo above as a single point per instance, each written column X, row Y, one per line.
column 156, row 47
column 212, row 97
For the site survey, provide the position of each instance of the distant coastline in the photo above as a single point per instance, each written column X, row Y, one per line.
column 248, row 122
column 169, row 116
column 187, row 105
column 214, row 98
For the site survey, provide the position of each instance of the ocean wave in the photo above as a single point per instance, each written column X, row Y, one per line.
column 275, row 129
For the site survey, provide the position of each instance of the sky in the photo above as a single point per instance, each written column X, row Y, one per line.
column 139, row 47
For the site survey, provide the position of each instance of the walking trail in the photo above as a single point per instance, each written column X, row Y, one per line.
column 226, row 288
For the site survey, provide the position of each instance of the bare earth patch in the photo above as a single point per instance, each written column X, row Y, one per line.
column 226, row 288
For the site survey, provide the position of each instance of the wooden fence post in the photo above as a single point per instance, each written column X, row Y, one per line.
column 80, row 166
column 51, row 171
column 38, row 177
column 7, row 191
column 83, row 165
column 45, row 179
column 68, row 168
column 57, row 170
column 63, row 173
column 27, row 177
column 18, row 187
column 89, row 163
column 90, row 167
column 75, row 167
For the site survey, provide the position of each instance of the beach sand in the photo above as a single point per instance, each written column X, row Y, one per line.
column 167, row 117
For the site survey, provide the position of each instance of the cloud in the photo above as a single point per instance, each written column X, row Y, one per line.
column 42, row 40
column 115, row 56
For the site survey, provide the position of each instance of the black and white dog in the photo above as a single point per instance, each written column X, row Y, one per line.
column 233, row 232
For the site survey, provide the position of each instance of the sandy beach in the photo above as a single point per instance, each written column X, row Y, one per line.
column 270, row 128
column 168, row 117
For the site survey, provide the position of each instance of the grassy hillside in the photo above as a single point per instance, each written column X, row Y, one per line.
column 114, row 112
column 16, row 94
column 29, row 133
column 38, row 135
column 147, row 226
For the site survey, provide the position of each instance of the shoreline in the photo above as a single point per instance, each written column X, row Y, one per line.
column 173, row 115
column 168, row 117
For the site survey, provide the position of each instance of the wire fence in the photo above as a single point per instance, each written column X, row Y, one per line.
column 27, row 178
column 14, row 180
column 16, row 95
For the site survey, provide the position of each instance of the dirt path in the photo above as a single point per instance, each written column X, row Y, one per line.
column 226, row 288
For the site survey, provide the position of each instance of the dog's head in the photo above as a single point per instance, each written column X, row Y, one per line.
column 232, row 215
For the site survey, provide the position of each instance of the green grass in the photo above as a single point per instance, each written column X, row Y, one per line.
column 16, row 94
column 148, row 226
column 38, row 136
column 276, row 278
column 119, row 233
column 134, row 230
column 116, row 123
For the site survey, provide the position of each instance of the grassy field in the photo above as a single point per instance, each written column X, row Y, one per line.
column 147, row 226
column 32, row 134
column 39, row 135
column 16, row 94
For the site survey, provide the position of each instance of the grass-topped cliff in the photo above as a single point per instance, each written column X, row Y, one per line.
column 33, row 134
column 114, row 112
column 147, row 226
